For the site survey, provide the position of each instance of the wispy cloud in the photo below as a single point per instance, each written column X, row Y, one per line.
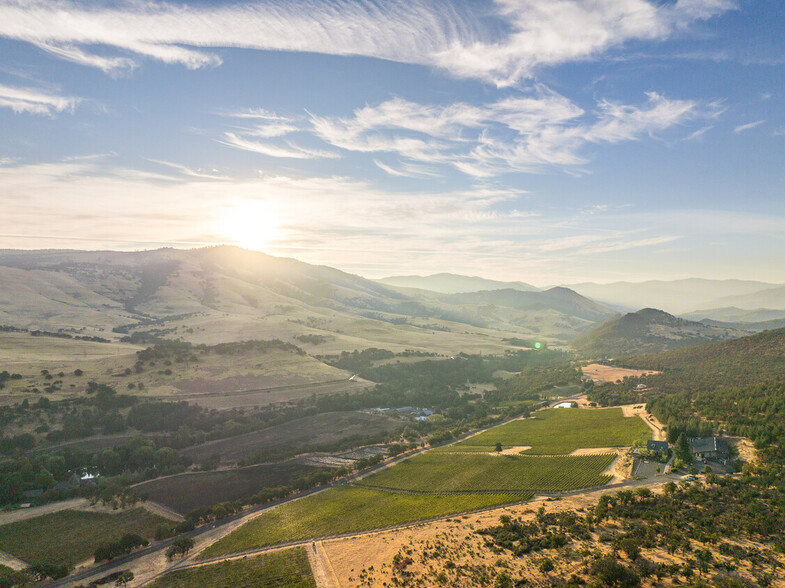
column 522, row 134
column 499, row 42
column 33, row 101
column 748, row 126
column 291, row 151
column 112, row 65
column 187, row 171
column 407, row 170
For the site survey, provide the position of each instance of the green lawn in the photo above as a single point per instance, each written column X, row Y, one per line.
column 347, row 509
column 71, row 536
column 284, row 569
column 559, row 431
column 461, row 472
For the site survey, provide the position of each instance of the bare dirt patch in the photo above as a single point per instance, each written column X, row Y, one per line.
column 608, row 373
column 9, row 561
column 37, row 511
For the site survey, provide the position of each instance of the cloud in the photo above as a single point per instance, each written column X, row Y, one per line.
column 748, row 126
column 112, row 65
column 479, row 230
column 271, row 150
column 528, row 133
column 406, row 170
column 499, row 41
column 187, row 171
column 32, row 101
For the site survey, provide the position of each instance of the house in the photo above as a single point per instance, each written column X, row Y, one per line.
column 710, row 448
column 657, row 446
column 70, row 484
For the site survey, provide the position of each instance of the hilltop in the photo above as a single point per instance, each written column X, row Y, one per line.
column 648, row 330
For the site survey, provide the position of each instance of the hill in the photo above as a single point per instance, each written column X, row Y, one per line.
column 648, row 330
column 222, row 294
column 454, row 283
column 738, row 383
column 562, row 300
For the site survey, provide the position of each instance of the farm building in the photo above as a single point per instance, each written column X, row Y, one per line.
column 710, row 448
column 658, row 446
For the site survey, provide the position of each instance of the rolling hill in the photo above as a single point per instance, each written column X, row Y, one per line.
column 219, row 294
column 648, row 331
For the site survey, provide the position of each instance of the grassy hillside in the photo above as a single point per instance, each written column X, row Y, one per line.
column 648, row 330
column 223, row 294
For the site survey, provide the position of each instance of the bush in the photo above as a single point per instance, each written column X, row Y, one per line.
column 611, row 573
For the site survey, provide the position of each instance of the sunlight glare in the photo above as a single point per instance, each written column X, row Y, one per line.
column 251, row 225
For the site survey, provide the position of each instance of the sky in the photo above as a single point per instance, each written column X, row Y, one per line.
column 549, row 141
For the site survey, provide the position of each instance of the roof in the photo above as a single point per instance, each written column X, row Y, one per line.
column 709, row 444
column 652, row 445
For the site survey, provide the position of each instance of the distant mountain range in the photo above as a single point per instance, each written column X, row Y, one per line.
column 648, row 331
column 685, row 296
column 731, row 314
column 680, row 297
column 454, row 283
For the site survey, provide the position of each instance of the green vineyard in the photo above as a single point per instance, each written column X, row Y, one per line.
column 280, row 569
column 560, row 431
column 467, row 472
column 345, row 510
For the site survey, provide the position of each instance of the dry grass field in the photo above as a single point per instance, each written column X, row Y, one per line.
column 215, row 381
column 608, row 373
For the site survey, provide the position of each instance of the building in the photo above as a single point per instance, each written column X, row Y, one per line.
column 657, row 446
column 710, row 448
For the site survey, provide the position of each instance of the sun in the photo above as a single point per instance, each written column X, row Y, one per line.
column 250, row 225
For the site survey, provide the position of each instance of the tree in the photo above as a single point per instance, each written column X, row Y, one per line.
column 682, row 449
column 181, row 545
column 124, row 577
column 546, row 566
column 498, row 448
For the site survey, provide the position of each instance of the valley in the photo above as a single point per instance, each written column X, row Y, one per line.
column 228, row 431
